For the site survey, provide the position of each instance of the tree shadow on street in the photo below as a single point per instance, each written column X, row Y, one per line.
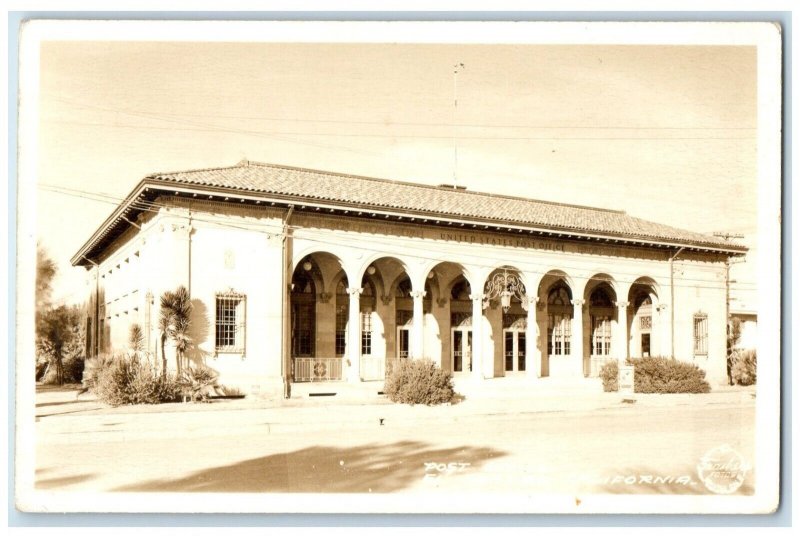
column 376, row 468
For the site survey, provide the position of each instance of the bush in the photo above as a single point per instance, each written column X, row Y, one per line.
column 609, row 373
column 743, row 371
column 667, row 376
column 72, row 371
column 198, row 382
column 127, row 379
column 418, row 381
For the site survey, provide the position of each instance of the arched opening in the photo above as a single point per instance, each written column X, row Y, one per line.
column 644, row 337
column 559, row 320
column 602, row 316
column 312, row 338
column 303, row 299
column 378, row 308
column 505, row 292
column 461, row 325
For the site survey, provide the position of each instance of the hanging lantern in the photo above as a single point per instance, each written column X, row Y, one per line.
column 307, row 265
column 505, row 300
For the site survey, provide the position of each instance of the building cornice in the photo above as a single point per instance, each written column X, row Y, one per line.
column 150, row 188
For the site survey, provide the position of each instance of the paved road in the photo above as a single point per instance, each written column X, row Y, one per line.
column 570, row 452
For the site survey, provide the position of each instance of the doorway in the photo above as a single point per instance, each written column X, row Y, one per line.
column 514, row 350
column 461, row 350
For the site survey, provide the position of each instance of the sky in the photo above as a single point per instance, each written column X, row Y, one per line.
column 665, row 133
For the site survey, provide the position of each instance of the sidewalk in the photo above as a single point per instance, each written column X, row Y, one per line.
column 330, row 413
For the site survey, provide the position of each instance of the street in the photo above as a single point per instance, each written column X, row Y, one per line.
column 628, row 450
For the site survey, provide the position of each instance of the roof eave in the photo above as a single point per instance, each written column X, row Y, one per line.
column 734, row 250
column 81, row 254
column 177, row 187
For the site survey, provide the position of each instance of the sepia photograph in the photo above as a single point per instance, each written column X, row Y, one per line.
column 398, row 267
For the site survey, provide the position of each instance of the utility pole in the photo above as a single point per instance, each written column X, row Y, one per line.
column 672, row 303
column 728, row 236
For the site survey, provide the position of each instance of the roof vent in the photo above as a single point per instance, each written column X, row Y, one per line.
column 452, row 187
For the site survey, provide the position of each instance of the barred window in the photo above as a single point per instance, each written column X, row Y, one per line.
column 341, row 325
column 646, row 322
column 366, row 332
column 230, row 323
column 700, row 334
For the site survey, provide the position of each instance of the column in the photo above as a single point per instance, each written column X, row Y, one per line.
column 354, row 335
column 533, row 355
column 663, row 331
column 577, row 337
column 477, row 335
column 417, row 348
column 621, row 336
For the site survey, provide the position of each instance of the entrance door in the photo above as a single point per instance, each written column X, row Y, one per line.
column 461, row 350
column 403, row 339
column 514, row 350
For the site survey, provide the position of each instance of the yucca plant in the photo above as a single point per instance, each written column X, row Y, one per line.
column 174, row 323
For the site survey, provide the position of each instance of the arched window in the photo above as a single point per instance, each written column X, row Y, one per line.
column 601, row 310
column 559, row 320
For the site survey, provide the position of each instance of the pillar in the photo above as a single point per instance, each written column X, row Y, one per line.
column 477, row 335
column 533, row 355
column 663, row 331
column 354, row 335
column 417, row 347
column 577, row 337
column 621, row 336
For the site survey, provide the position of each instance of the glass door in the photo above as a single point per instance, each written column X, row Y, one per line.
column 461, row 350
column 514, row 350
column 403, row 334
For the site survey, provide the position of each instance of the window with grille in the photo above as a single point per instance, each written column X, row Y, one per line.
column 366, row 332
column 230, row 323
column 341, row 326
column 700, row 334
column 601, row 336
column 559, row 334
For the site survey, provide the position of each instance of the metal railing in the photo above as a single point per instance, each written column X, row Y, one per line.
column 373, row 368
column 316, row 369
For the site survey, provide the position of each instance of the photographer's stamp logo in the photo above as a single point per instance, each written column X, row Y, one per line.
column 722, row 469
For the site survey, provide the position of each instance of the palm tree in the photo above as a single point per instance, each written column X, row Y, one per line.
column 174, row 322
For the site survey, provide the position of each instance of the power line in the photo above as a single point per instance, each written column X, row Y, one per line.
column 276, row 135
column 406, row 123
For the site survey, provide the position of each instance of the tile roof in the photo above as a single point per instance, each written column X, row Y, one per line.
column 370, row 193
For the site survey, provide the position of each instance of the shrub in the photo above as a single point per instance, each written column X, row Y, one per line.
column 609, row 373
column 418, row 381
column 198, row 382
column 666, row 376
column 744, row 367
column 127, row 379
column 72, row 369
